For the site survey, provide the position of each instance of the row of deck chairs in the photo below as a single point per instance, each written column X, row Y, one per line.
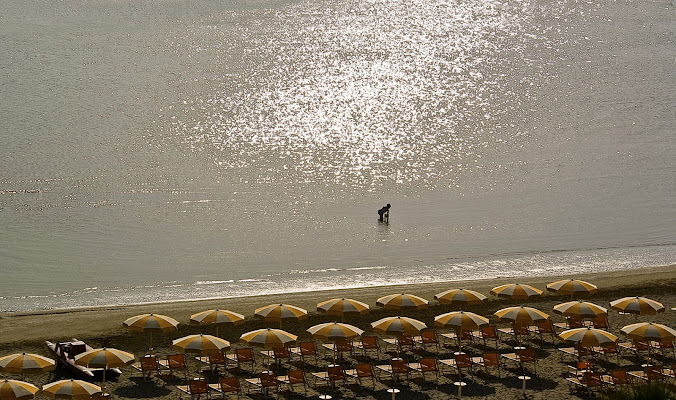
column 584, row 379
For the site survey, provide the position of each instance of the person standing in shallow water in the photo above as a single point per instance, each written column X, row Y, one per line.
column 384, row 213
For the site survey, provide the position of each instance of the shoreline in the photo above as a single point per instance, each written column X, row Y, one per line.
column 107, row 320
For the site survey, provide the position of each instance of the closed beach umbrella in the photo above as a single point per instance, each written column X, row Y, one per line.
column 402, row 301
column 572, row 287
column 581, row 309
column 334, row 331
column 17, row 390
column 521, row 315
column 637, row 305
column 588, row 337
column 460, row 296
column 71, row 389
column 217, row 317
column 26, row 363
column 398, row 326
column 104, row 358
column 268, row 338
column 649, row 331
column 151, row 323
column 280, row 312
column 342, row 306
column 202, row 344
column 516, row 291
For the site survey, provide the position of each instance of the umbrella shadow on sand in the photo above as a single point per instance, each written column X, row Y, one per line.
column 141, row 389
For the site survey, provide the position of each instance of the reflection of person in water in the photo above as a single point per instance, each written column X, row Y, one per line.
column 384, row 214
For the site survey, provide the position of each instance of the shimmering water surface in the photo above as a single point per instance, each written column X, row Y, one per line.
column 168, row 150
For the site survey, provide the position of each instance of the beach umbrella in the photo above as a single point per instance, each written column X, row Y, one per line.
column 217, row 317
column 17, row 390
column 460, row 321
column 460, row 296
column 268, row 338
column 342, row 306
column 581, row 309
column 71, row 389
column 398, row 326
column 334, row 331
column 572, row 287
column 202, row 344
column 104, row 358
column 280, row 312
column 402, row 301
column 151, row 323
column 649, row 331
column 637, row 305
column 588, row 337
column 26, row 363
column 516, row 291
column 521, row 315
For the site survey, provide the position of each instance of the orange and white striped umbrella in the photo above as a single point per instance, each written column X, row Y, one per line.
column 202, row 344
column 650, row 331
column 637, row 305
column 217, row 317
column 402, row 301
column 151, row 323
column 343, row 306
column 104, row 358
column 460, row 296
column 334, row 331
column 582, row 309
column 17, row 390
column 516, row 291
column 280, row 312
column 462, row 320
column 572, row 287
column 71, row 389
column 26, row 363
column 588, row 337
column 268, row 338
column 398, row 326
column 521, row 315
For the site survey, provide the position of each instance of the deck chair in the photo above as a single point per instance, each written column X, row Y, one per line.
column 665, row 346
column 214, row 361
column 489, row 359
column 486, row 333
column 196, row 388
column 241, row 356
column 590, row 382
column 600, row 322
column 616, row 379
column 571, row 323
column 294, row 377
column 579, row 368
column 578, row 351
column 395, row 368
column 636, row 347
column 523, row 357
column 427, row 338
column 460, row 362
column 426, row 365
column 361, row 372
column 227, row 385
column 147, row 365
column 265, row 383
column 400, row 342
column 368, row 343
column 518, row 331
column 277, row 354
column 651, row 373
column 175, row 362
column 607, row 351
column 339, row 348
column 305, row 349
column 544, row 328
column 333, row 374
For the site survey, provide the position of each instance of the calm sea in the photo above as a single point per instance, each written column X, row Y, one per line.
column 182, row 149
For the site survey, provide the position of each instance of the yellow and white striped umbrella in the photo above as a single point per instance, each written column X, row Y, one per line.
column 588, row 337
column 280, row 312
column 516, row 291
column 71, row 389
column 343, row 306
column 398, row 326
column 17, row 390
column 26, row 363
column 650, row 331
column 637, row 305
column 202, row 344
column 460, row 296
column 268, row 338
column 334, row 331
column 582, row 309
column 104, row 358
column 151, row 323
column 460, row 320
column 572, row 287
column 402, row 301
column 217, row 317
column 521, row 315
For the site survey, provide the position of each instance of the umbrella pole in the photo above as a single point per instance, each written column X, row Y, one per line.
column 103, row 388
column 151, row 343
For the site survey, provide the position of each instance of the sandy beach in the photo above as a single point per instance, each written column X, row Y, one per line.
column 26, row 332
